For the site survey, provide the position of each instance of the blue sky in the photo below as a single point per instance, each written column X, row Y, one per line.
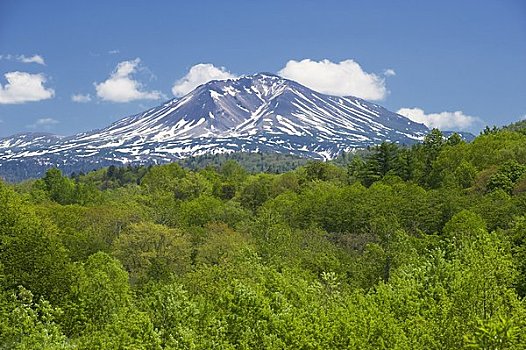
column 71, row 66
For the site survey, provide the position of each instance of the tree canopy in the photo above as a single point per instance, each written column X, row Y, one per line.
column 420, row 247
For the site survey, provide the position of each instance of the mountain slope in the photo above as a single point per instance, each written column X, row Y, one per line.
column 258, row 113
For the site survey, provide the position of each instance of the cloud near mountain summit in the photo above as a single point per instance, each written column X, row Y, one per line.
column 199, row 74
column 122, row 87
column 346, row 78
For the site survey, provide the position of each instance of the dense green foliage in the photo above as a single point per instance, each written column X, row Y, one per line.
column 252, row 162
column 403, row 248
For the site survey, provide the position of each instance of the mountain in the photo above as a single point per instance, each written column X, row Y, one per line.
column 257, row 113
column 22, row 141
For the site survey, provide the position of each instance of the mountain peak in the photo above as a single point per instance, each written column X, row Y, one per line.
column 266, row 79
column 256, row 113
column 265, row 75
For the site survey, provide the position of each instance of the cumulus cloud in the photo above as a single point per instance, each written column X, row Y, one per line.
column 24, row 59
column 43, row 123
column 80, row 98
column 389, row 72
column 197, row 75
column 24, row 87
column 32, row 59
column 341, row 79
column 443, row 120
column 121, row 87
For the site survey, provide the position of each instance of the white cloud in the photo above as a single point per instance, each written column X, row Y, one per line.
column 80, row 98
column 341, row 79
column 43, row 123
column 32, row 59
column 443, row 120
column 389, row 72
column 24, row 87
column 24, row 59
column 113, row 52
column 46, row 121
column 200, row 74
column 120, row 87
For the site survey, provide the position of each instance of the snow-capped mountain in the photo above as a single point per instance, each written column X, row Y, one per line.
column 18, row 142
column 258, row 113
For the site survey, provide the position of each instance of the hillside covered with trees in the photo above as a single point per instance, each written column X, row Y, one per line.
column 400, row 248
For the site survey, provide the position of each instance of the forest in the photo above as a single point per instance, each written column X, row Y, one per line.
column 420, row 247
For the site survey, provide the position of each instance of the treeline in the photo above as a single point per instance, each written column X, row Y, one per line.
column 252, row 162
column 403, row 248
